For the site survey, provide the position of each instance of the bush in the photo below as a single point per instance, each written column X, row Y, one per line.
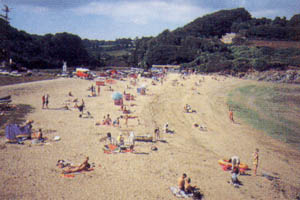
column 259, row 64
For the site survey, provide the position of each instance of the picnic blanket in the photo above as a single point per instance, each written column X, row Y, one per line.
column 13, row 131
column 72, row 175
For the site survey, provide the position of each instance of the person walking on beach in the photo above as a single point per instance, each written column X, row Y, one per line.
column 47, row 100
column 156, row 134
column 43, row 101
column 255, row 161
column 231, row 115
column 98, row 90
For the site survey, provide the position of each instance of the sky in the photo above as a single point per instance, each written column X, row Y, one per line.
column 112, row 19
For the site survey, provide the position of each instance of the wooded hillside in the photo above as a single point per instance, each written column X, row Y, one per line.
column 195, row 45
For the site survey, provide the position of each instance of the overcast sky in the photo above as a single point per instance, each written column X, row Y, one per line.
column 111, row 19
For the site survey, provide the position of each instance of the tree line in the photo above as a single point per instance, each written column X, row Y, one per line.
column 195, row 45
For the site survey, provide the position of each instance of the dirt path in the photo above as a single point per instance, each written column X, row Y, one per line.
column 29, row 172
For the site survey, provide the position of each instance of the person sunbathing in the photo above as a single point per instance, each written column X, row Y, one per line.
column 71, row 169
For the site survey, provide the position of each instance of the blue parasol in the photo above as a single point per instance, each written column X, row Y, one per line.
column 117, row 96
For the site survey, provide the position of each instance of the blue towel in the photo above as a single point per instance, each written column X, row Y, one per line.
column 13, row 131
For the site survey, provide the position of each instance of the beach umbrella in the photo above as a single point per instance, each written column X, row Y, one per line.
column 117, row 96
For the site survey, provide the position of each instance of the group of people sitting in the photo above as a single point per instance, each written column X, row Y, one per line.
column 107, row 120
column 120, row 141
column 185, row 189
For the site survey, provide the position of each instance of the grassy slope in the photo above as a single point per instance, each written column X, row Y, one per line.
column 271, row 108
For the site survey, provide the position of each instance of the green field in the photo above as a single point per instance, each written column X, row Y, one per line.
column 272, row 108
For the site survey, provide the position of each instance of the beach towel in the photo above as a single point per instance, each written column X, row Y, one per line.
column 67, row 175
column 109, row 149
column 72, row 175
column 180, row 193
column 13, row 132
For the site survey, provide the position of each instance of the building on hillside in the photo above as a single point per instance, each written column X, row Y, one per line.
column 228, row 37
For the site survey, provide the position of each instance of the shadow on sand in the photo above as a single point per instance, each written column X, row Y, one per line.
column 14, row 115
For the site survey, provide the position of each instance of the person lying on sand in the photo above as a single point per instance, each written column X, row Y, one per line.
column 71, row 169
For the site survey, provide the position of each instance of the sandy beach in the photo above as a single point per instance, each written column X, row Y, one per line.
column 29, row 171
